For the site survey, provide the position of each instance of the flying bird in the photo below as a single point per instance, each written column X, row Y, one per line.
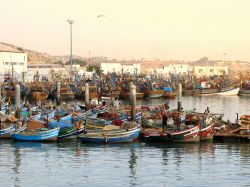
column 101, row 15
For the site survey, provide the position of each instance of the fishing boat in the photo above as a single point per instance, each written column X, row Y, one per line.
column 112, row 94
column 69, row 128
column 207, row 133
column 6, row 130
column 186, row 130
column 10, row 124
column 42, row 134
column 93, row 92
column 66, row 93
column 38, row 93
column 71, row 132
column 244, row 92
column 208, row 88
column 153, row 94
column 126, row 95
column 112, row 134
column 169, row 93
column 189, row 135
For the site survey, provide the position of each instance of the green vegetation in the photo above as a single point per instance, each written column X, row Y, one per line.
column 96, row 68
column 19, row 49
column 59, row 62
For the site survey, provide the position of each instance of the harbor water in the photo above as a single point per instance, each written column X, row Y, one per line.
column 27, row 164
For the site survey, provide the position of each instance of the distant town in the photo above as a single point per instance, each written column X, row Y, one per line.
column 28, row 62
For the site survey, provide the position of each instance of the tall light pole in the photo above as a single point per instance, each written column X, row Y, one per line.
column 70, row 23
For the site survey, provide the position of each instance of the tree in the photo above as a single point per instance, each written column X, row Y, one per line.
column 96, row 68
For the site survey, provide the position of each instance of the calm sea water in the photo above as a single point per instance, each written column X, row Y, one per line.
column 25, row 164
column 227, row 105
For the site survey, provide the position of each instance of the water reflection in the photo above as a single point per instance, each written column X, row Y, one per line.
column 17, row 164
column 229, row 105
column 123, row 164
column 132, row 165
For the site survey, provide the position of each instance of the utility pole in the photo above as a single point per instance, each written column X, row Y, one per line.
column 70, row 23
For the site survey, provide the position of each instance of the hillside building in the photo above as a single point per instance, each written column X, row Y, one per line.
column 12, row 60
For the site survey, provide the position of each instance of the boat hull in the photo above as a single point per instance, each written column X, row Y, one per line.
column 189, row 135
column 155, row 137
column 125, row 95
column 67, row 96
column 70, row 133
column 169, row 95
column 49, row 135
column 207, row 133
column 153, row 94
column 39, row 96
column 244, row 92
column 111, row 137
column 224, row 92
column 10, row 93
column 7, row 132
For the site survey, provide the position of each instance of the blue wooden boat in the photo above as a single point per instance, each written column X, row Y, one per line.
column 42, row 134
column 112, row 134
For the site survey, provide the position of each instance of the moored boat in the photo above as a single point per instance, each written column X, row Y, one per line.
column 207, row 133
column 112, row 134
column 169, row 95
column 125, row 95
column 42, row 134
column 189, row 135
column 228, row 91
column 66, row 93
column 6, row 132
column 153, row 94
column 10, row 125
column 244, row 92
column 70, row 132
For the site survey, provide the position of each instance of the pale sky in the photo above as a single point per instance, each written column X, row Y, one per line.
column 164, row 29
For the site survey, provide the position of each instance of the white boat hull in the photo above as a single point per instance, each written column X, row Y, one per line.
column 231, row 92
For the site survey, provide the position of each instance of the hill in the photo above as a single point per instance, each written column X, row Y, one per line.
column 34, row 57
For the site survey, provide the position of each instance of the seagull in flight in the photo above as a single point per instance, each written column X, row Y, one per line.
column 101, row 15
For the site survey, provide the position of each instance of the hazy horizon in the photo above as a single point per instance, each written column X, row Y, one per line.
column 161, row 29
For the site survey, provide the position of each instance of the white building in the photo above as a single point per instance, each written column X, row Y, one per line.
column 12, row 59
column 132, row 68
column 111, row 67
column 119, row 68
column 175, row 69
column 43, row 70
column 210, row 70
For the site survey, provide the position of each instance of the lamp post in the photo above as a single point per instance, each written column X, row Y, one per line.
column 70, row 23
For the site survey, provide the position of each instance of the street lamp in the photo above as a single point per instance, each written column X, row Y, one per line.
column 70, row 23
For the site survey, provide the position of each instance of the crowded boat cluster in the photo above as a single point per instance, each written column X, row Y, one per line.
column 41, row 112
column 104, row 123
column 116, row 85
